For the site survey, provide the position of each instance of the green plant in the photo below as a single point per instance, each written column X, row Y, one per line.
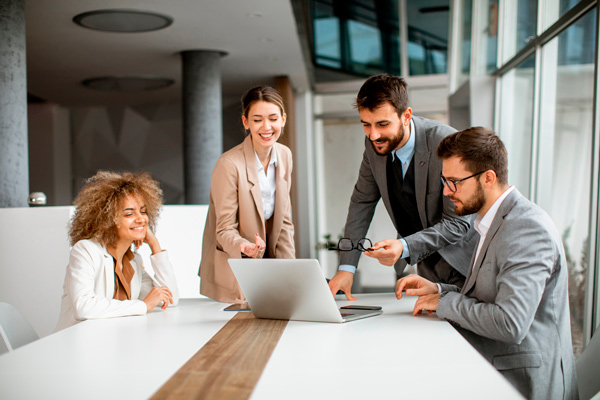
column 328, row 244
column 577, row 281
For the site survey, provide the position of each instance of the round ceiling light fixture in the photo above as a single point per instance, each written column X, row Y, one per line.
column 121, row 20
column 127, row 84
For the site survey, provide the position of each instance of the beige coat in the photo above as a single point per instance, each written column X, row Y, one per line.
column 235, row 214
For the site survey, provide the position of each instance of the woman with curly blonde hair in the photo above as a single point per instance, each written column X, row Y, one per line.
column 105, row 278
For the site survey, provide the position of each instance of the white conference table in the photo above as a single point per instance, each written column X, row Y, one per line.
column 392, row 355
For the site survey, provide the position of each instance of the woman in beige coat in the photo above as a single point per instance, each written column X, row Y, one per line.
column 249, row 213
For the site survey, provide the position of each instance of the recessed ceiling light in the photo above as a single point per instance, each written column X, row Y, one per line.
column 127, row 21
column 127, row 83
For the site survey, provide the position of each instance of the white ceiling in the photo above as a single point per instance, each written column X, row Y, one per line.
column 61, row 54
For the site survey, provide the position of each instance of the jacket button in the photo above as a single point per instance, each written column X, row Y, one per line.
column 422, row 163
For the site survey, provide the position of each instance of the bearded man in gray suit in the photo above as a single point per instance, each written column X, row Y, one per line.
column 514, row 306
column 400, row 167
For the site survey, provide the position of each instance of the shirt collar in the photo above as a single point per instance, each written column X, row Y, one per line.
column 482, row 224
column 273, row 160
column 406, row 152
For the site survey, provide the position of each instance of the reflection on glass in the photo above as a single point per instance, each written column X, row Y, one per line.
column 358, row 37
column 492, row 37
column 565, row 150
column 466, row 37
column 520, row 25
column 327, row 49
column 487, row 53
column 554, row 9
column 516, row 122
column 462, row 11
column 428, row 36
column 365, row 48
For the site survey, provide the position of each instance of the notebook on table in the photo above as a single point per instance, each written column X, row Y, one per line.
column 291, row 289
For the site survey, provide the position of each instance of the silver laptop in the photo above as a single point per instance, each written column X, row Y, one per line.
column 292, row 289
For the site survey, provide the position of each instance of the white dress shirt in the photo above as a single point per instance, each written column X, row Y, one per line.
column 482, row 224
column 267, row 184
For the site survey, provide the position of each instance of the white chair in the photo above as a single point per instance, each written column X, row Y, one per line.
column 588, row 365
column 15, row 329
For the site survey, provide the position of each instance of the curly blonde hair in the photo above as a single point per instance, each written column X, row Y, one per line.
column 97, row 206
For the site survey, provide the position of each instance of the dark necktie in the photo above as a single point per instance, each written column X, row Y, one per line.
column 396, row 171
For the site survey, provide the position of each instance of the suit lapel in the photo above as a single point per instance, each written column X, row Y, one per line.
column 504, row 209
column 421, row 168
column 467, row 286
column 109, row 274
column 281, row 198
column 252, row 173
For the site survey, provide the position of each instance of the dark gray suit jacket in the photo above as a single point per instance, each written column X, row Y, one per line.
column 452, row 236
column 514, row 306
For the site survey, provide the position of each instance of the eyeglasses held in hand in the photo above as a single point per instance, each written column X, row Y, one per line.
column 346, row 244
column 452, row 184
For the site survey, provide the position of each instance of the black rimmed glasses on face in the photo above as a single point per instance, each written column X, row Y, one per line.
column 346, row 244
column 452, row 184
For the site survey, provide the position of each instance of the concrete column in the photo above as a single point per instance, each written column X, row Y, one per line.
column 284, row 86
column 50, row 168
column 14, row 165
column 202, row 121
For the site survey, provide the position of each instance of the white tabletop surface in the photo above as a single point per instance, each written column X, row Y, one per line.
column 393, row 355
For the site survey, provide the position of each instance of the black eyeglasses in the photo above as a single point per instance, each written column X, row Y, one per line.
column 346, row 244
column 451, row 183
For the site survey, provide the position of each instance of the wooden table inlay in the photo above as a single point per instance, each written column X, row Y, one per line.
column 230, row 364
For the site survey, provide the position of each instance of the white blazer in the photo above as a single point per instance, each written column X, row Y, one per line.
column 90, row 285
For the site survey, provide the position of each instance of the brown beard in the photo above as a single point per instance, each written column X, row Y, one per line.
column 472, row 205
column 392, row 143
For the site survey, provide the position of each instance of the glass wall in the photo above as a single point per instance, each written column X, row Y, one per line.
column 464, row 39
column 486, row 23
column 428, row 36
column 544, row 113
column 565, row 153
column 520, row 26
column 362, row 37
column 554, row 9
column 516, row 122
column 356, row 36
column 326, row 26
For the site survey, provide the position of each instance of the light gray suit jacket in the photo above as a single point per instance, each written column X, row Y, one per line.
column 452, row 236
column 514, row 306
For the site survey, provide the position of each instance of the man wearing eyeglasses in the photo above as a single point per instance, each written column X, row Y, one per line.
column 401, row 168
column 514, row 305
